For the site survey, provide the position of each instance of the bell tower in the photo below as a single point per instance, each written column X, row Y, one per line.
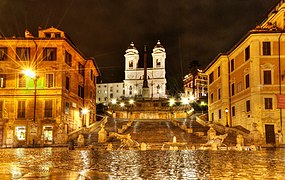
column 158, row 56
column 131, row 57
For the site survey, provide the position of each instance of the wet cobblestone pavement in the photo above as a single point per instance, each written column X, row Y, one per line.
column 61, row 163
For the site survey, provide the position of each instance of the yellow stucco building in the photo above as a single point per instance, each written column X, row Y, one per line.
column 244, row 84
column 43, row 105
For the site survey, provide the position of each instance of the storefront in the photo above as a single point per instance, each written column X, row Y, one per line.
column 48, row 134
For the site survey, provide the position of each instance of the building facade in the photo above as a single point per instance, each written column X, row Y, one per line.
column 201, row 85
column 246, row 85
column 155, row 75
column 45, row 83
column 108, row 91
column 132, row 85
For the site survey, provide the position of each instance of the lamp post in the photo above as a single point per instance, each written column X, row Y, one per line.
column 32, row 75
column 185, row 102
column 171, row 103
column 226, row 110
column 131, row 103
column 84, row 112
column 202, row 106
column 113, row 102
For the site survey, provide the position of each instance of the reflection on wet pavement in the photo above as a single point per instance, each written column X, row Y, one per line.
column 60, row 163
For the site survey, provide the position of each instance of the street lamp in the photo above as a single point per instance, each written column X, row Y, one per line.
column 32, row 74
column 84, row 111
column 202, row 106
column 185, row 102
column 131, row 103
column 226, row 110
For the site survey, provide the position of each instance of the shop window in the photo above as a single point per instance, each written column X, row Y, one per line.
column 21, row 132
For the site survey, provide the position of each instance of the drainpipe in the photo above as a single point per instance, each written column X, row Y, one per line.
column 229, row 85
column 279, row 66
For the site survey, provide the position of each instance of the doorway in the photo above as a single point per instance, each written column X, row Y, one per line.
column 48, row 133
column 270, row 134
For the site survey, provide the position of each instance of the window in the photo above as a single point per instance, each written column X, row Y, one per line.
column 232, row 65
column 48, row 108
column 220, row 114
column 49, row 80
column 233, row 89
column 211, row 78
column 81, row 91
column 219, row 94
column 267, row 77
column 158, row 63
column 268, row 103
column 67, row 107
column 219, row 71
column 233, row 111
column 80, row 113
column 212, row 116
column 212, row 97
column 57, row 35
column 247, row 105
column 22, row 80
column 266, row 49
column 21, row 109
column 23, row 53
column 68, row 58
column 91, row 74
column 48, row 35
column 247, row 53
column 49, row 54
column 2, row 80
column 80, row 69
column 1, row 109
column 247, row 81
column 67, row 83
column 3, row 53
column 131, row 64
column 239, row 87
column 131, row 90
column 99, row 92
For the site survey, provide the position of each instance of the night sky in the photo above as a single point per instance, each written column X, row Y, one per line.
column 103, row 29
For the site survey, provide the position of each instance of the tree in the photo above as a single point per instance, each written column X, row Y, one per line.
column 193, row 70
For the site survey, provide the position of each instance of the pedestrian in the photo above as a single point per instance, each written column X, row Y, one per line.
column 71, row 144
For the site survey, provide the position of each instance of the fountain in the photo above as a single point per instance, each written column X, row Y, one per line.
column 174, row 145
column 215, row 142
column 126, row 141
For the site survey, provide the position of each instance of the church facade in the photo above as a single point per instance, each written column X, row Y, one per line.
column 156, row 75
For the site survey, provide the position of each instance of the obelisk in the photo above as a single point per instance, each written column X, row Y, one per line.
column 145, row 89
